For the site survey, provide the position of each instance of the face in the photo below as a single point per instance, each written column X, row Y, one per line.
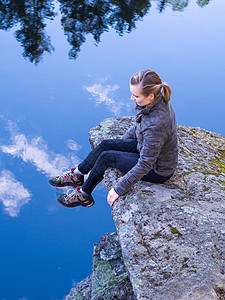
column 138, row 97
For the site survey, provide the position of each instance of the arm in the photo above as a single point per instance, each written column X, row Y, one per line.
column 130, row 133
column 153, row 140
column 112, row 195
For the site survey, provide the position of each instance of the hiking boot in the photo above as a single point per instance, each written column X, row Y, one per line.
column 76, row 198
column 67, row 179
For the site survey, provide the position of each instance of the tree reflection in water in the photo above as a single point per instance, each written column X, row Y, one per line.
column 78, row 19
column 82, row 17
column 31, row 15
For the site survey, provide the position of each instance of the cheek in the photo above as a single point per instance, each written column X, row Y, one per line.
column 140, row 99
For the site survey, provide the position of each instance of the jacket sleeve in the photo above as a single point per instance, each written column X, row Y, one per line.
column 153, row 140
column 130, row 133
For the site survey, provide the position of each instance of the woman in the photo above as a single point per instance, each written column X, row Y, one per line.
column 147, row 151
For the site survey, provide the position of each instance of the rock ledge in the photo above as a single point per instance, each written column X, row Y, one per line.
column 172, row 235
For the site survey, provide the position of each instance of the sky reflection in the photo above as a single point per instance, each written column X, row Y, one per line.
column 46, row 103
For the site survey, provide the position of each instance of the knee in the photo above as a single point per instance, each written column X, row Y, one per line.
column 106, row 157
column 105, row 144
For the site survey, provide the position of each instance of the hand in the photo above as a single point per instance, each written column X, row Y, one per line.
column 112, row 196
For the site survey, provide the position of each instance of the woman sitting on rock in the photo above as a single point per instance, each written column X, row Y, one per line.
column 147, row 151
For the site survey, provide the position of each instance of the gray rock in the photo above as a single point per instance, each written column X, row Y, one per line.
column 172, row 235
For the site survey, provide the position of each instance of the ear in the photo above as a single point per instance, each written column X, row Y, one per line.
column 151, row 97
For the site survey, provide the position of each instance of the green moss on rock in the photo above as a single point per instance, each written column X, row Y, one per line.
column 105, row 281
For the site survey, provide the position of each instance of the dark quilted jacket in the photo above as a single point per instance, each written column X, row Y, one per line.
column 155, row 129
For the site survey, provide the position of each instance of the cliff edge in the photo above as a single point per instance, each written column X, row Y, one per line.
column 172, row 235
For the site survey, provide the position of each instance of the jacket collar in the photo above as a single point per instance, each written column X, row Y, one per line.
column 145, row 110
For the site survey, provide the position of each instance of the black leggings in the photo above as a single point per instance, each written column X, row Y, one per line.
column 115, row 153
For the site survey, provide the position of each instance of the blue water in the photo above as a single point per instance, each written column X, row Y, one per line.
column 47, row 111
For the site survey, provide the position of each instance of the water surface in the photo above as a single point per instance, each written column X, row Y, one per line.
column 49, row 102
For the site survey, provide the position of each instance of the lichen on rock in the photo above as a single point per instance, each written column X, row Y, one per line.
column 110, row 277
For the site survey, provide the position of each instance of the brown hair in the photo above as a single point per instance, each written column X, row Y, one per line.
column 151, row 83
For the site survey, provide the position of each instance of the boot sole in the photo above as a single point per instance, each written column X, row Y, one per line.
column 65, row 205
column 63, row 185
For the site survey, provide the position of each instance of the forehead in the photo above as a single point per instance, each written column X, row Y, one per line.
column 135, row 89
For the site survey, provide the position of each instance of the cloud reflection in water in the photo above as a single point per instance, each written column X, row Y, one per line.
column 12, row 193
column 36, row 152
column 72, row 145
column 104, row 93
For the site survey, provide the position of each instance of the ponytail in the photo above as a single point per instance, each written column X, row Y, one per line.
column 166, row 92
